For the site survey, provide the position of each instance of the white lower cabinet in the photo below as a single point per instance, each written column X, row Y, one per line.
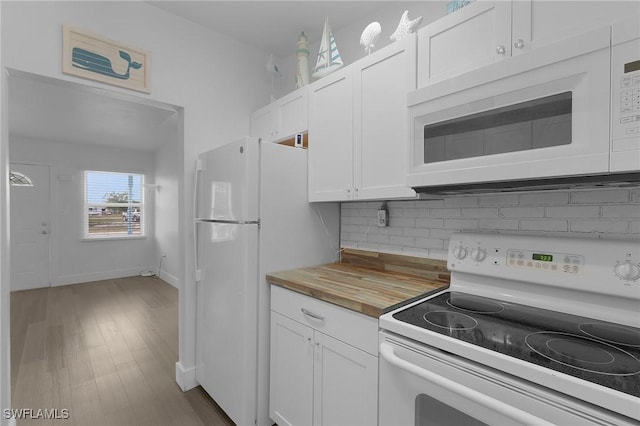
column 319, row 379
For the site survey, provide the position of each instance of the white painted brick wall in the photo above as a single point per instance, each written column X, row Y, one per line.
column 423, row 227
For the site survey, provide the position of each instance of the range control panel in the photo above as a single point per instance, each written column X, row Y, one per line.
column 547, row 261
column 600, row 266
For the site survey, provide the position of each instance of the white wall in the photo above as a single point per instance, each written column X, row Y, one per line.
column 217, row 81
column 166, row 205
column 5, row 361
column 74, row 260
column 422, row 228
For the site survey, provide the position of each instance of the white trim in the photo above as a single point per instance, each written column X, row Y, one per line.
column 114, row 238
column 169, row 278
column 97, row 276
column 185, row 377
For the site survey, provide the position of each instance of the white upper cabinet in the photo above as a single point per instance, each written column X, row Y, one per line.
column 331, row 137
column 477, row 35
column 382, row 82
column 485, row 32
column 283, row 118
column 358, row 127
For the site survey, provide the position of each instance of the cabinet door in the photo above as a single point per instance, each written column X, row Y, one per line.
column 263, row 123
column 381, row 84
column 331, row 137
column 345, row 384
column 292, row 114
column 521, row 23
column 291, row 382
column 464, row 40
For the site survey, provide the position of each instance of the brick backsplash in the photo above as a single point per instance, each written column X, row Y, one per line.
column 423, row 227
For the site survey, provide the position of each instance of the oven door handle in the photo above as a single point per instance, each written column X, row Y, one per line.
column 388, row 354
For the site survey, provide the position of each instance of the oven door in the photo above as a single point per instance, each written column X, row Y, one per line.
column 540, row 115
column 419, row 385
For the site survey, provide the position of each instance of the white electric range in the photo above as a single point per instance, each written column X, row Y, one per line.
column 532, row 330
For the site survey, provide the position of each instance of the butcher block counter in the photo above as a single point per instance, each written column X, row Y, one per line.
column 368, row 282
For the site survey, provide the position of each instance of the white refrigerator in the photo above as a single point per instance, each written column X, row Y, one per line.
column 252, row 218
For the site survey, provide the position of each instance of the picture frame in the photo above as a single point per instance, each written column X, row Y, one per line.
column 96, row 58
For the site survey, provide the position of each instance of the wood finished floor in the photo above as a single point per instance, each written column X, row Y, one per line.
column 105, row 351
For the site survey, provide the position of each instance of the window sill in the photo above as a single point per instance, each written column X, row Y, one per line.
column 93, row 239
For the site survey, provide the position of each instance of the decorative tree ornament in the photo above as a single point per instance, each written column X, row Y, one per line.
column 405, row 26
column 370, row 36
column 302, row 52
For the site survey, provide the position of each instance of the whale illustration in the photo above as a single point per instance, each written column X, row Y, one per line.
column 90, row 61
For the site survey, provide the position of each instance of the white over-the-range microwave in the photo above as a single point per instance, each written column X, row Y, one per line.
column 567, row 112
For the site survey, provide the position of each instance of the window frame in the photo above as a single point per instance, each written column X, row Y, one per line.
column 86, row 205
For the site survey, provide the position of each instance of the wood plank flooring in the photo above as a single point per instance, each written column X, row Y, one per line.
column 106, row 352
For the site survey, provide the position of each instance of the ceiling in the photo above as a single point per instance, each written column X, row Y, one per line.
column 44, row 108
column 272, row 26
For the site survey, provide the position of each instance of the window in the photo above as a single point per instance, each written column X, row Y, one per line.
column 19, row 179
column 114, row 205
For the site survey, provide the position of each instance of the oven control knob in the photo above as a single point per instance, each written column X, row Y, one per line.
column 459, row 252
column 478, row 254
column 627, row 271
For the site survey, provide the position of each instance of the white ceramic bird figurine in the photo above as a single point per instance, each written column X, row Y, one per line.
column 272, row 68
column 405, row 26
column 370, row 35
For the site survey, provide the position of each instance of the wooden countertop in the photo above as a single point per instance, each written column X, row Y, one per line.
column 367, row 288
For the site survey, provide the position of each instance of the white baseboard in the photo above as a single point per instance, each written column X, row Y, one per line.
column 171, row 279
column 185, row 377
column 95, row 276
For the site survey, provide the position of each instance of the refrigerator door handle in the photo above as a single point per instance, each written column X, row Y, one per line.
column 196, row 241
column 231, row 222
column 196, row 244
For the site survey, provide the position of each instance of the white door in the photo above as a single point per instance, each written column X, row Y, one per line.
column 331, row 127
column 227, row 318
column 345, row 384
column 30, row 227
column 382, row 81
column 291, row 382
column 230, row 182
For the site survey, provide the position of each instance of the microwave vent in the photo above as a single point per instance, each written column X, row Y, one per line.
column 624, row 180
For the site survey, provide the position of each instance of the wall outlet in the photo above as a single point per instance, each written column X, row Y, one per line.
column 382, row 219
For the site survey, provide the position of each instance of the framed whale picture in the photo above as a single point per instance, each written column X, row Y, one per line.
column 89, row 56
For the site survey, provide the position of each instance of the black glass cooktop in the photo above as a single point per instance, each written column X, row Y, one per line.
column 600, row 352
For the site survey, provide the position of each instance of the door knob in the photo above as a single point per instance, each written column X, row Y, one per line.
column 501, row 50
column 518, row 44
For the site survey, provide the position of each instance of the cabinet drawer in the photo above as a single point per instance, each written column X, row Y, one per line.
column 351, row 327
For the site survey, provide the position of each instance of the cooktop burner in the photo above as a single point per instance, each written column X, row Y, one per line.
column 450, row 320
column 583, row 353
column 597, row 351
column 474, row 304
column 612, row 333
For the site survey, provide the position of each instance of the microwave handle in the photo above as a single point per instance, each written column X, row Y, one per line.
column 387, row 353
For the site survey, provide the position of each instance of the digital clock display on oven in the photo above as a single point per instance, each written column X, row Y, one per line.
column 542, row 257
